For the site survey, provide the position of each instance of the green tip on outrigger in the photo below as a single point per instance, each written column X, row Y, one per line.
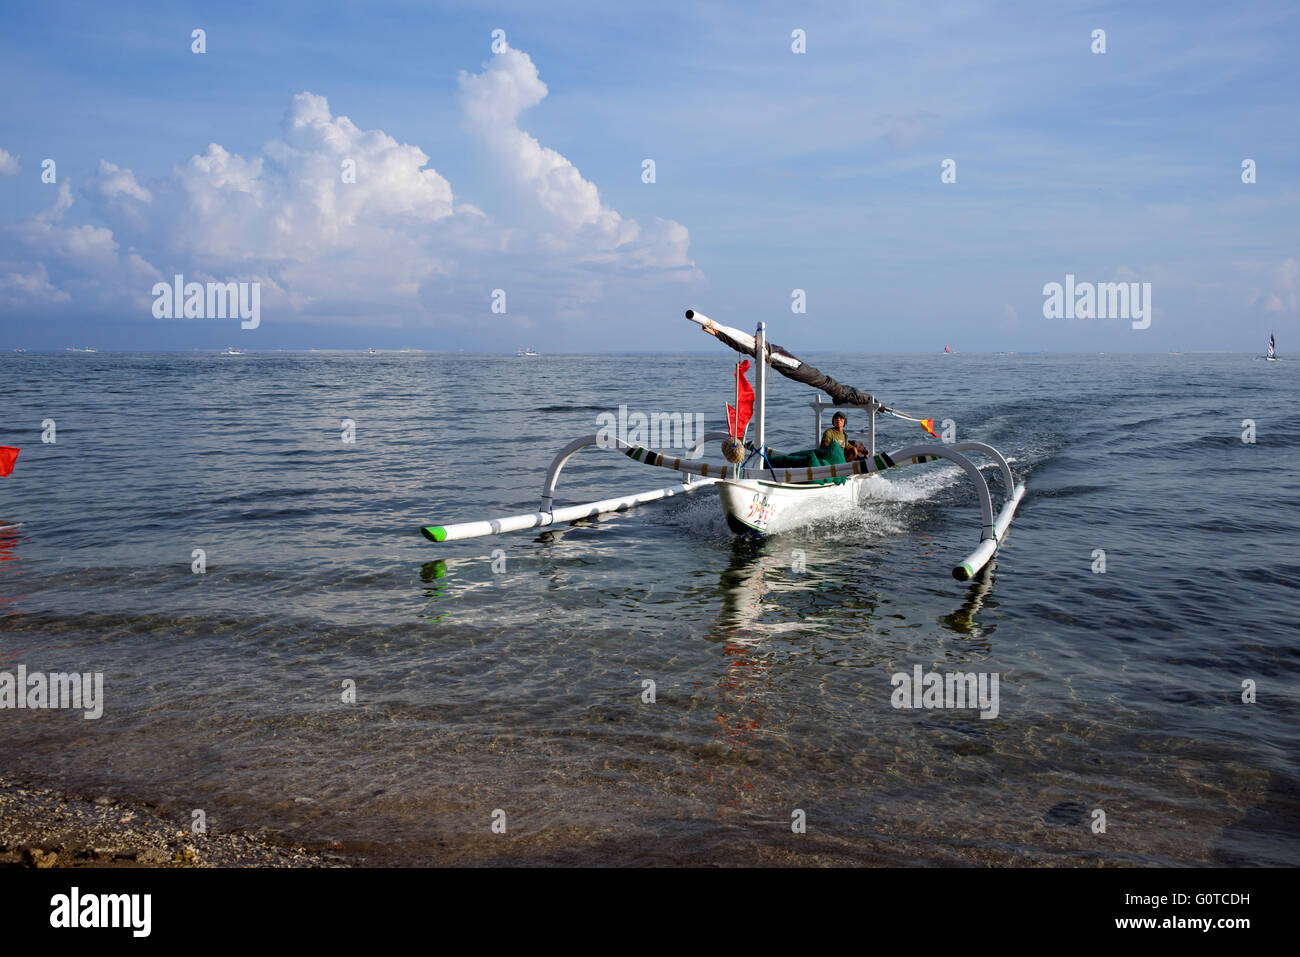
column 434, row 533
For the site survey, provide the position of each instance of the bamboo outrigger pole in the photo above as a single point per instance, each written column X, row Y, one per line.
column 570, row 513
column 548, row 514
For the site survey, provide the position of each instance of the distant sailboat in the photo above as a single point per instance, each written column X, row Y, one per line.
column 1272, row 349
column 947, row 351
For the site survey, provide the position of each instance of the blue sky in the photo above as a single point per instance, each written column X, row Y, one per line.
column 775, row 171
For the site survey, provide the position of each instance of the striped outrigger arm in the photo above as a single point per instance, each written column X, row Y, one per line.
column 703, row 469
column 876, row 463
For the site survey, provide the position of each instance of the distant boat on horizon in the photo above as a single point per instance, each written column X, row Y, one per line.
column 1272, row 349
column 80, row 349
column 232, row 351
column 527, row 352
column 947, row 351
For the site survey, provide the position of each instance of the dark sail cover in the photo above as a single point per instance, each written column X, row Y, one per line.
column 788, row 364
column 802, row 372
column 840, row 394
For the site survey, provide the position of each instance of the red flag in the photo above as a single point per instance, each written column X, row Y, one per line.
column 928, row 425
column 744, row 399
column 8, row 455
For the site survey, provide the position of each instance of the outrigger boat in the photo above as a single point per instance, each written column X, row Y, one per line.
column 760, row 499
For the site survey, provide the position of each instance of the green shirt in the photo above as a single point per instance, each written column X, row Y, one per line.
column 835, row 435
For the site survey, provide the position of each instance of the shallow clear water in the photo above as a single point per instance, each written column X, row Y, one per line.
column 522, row 690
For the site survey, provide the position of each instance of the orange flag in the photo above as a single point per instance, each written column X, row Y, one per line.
column 928, row 425
column 8, row 455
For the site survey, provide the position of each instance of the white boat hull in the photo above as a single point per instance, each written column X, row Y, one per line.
column 756, row 507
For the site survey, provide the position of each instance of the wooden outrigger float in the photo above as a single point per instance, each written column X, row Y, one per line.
column 757, row 498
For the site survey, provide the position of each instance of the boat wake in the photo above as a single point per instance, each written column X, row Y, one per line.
column 919, row 487
column 888, row 506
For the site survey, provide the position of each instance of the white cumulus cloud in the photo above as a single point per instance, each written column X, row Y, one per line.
column 18, row 288
column 492, row 102
column 9, row 164
column 339, row 222
column 44, row 233
column 77, row 264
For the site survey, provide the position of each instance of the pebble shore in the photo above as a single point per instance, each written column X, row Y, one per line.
column 42, row 828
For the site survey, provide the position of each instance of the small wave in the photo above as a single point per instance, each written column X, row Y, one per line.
column 573, row 408
column 1069, row 491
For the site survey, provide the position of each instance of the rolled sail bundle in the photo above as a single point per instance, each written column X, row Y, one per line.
column 790, row 366
column 840, row 394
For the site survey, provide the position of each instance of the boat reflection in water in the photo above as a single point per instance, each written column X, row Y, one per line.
column 434, row 577
column 811, row 590
column 784, row 608
column 9, row 541
column 962, row 621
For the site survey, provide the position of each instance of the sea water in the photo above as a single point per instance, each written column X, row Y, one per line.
column 234, row 545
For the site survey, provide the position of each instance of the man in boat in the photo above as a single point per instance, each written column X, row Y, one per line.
column 836, row 433
column 836, row 448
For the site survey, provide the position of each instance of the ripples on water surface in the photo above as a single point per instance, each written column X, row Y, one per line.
column 522, row 690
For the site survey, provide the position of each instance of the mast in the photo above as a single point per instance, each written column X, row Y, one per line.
column 760, row 388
